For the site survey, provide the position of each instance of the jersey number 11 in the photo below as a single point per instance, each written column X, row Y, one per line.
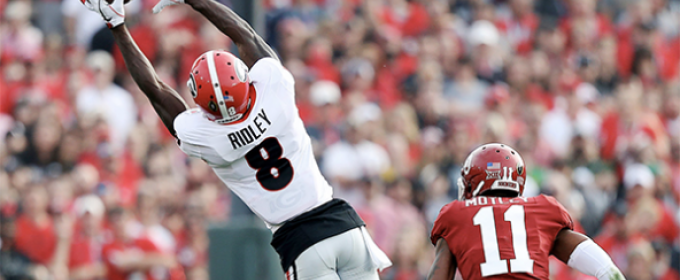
column 493, row 264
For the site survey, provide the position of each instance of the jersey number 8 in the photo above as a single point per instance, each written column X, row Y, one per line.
column 274, row 172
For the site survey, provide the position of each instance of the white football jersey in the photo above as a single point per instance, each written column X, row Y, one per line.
column 266, row 159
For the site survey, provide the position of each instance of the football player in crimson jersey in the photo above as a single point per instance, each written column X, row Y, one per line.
column 492, row 231
column 247, row 128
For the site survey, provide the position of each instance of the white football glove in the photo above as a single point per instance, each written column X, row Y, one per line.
column 113, row 14
column 164, row 3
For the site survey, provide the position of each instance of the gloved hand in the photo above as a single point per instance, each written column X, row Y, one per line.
column 164, row 3
column 113, row 14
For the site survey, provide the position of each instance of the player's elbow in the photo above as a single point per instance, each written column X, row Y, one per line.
column 149, row 86
column 249, row 32
column 444, row 266
column 155, row 90
column 246, row 38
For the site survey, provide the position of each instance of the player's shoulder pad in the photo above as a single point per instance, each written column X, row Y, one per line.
column 265, row 70
column 451, row 208
column 550, row 200
column 185, row 124
column 445, row 220
column 558, row 209
column 265, row 66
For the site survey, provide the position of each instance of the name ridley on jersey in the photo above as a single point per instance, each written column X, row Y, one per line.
column 249, row 134
column 266, row 158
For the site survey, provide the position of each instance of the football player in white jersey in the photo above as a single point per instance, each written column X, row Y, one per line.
column 247, row 128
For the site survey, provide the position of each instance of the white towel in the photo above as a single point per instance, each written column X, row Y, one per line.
column 380, row 260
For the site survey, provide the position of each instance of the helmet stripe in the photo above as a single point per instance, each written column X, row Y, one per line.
column 216, row 84
column 479, row 188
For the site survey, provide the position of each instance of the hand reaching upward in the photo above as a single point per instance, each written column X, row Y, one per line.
column 112, row 13
column 164, row 99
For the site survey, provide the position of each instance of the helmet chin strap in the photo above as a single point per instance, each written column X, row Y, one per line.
column 461, row 189
column 479, row 188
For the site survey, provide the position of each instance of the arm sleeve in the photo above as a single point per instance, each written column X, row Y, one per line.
column 590, row 259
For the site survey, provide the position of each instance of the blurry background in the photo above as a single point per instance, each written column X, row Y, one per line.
column 394, row 94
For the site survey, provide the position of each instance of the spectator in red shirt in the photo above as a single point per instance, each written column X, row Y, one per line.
column 521, row 26
column 320, row 59
column 13, row 265
column 584, row 23
column 643, row 264
column 193, row 253
column 409, row 16
column 662, row 52
column 132, row 258
column 614, row 238
column 640, row 260
column 36, row 237
column 651, row 218
column 85, row 252
column 662, row 268
column 20, row 40
column 631, row 125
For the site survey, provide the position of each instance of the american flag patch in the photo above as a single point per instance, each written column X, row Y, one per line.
column 493, row 165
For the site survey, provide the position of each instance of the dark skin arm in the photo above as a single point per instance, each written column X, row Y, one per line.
column 251, row 47
column 565, row 243
column 165, row 100
column 444, row 266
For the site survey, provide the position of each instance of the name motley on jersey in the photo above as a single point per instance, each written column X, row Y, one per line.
column 250, row 133
column 483, row 200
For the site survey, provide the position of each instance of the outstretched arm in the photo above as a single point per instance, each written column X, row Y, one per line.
column 582, row 254
column 444, row 266
column 167, row 103
column 251, row 47
column 165, row 100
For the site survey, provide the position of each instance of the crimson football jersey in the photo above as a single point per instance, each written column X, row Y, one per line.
column 500, row 237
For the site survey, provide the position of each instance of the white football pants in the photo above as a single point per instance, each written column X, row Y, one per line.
column 349, row 255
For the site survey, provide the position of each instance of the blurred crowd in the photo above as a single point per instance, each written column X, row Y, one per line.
column 394, row 94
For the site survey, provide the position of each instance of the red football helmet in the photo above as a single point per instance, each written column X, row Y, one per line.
column 492, row 167
column 220, row 85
